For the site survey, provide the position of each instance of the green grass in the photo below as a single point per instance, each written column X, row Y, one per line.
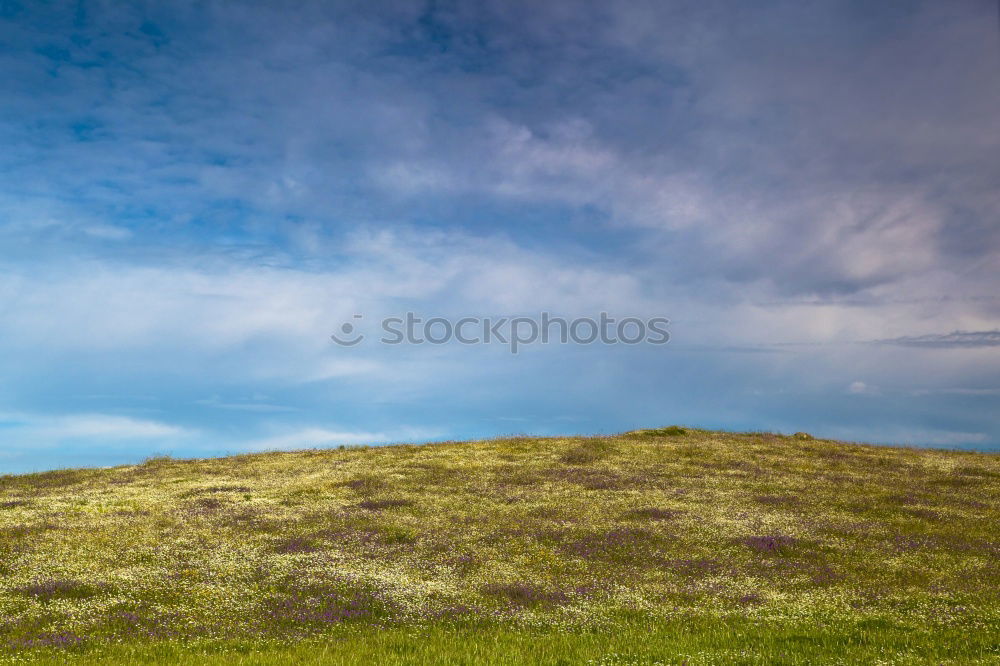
column 660, row 546
column 698, row 642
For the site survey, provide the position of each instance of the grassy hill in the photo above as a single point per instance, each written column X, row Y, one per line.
column 660, row 546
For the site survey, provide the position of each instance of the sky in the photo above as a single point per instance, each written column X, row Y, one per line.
column 195, row 195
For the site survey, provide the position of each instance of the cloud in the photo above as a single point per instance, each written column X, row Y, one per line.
column 107, row 426
column 34, row 440
column 902, row 436
column 246, row 406
column 674, row 122
column 107, row 231
column 104, row 426
column 858, row 388
column 953, row 340
column 959, row 390
column 229, row 303
column 194, row 196
column 318, row 437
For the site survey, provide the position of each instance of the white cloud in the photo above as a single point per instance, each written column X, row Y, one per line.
column 319, row 437
column 858, row 388
column 27, row 429
column 244, row 406
column 107, row 232
column 329, row 368
column 106, row 426
column 117, row 306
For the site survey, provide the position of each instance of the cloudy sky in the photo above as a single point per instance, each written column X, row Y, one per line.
column 195, row 195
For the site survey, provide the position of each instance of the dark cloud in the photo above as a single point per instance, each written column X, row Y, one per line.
column 817, row 147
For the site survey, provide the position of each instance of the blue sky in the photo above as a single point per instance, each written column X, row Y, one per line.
column 194, row 195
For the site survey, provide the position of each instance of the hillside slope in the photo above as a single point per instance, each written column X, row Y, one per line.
column 653, row 546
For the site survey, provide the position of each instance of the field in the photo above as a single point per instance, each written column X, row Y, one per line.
column 665, row 546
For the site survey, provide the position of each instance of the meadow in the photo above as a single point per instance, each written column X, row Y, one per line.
column 666, row 546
